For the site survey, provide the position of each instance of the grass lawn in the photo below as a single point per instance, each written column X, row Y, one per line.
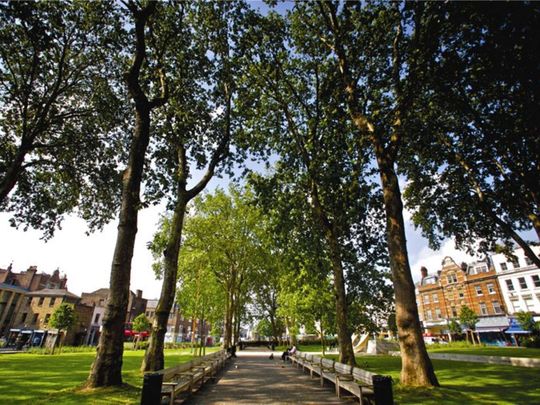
column 44, row 379
column 463, row 382
column 488, row 351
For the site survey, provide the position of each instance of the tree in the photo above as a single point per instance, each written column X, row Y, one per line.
column 63, row 318
column 455, row 328
column 62, row 112
column 140, row 324
column 199, row 121
column 296, row 115
column 474, row 163
column 527, row 322
column 107, row 367
column 469, row 319
column 377, row 66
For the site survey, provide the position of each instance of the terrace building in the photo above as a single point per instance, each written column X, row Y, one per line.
column 441, row 296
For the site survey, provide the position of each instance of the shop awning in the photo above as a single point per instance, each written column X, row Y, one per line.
column 515, row 328
column 492, row 324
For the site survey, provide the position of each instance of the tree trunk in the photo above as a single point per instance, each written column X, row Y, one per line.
column 417, row 369
column 346, row 353
column 107, row 367
column 13, row 172
column 153, row 359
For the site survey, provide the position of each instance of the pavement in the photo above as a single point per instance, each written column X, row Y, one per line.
column 253, row 378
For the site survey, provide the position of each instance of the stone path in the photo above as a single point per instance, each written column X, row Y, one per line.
column 252, row 378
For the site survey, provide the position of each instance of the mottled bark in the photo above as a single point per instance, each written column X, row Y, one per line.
column 417, row 369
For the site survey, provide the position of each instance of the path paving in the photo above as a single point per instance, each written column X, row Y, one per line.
column 252, row 378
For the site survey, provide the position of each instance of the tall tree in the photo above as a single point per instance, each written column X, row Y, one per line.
column 199, row 127
column 107, row 367
column 297, row 116
column 62, row 111
column 474, row 166
column 377, row 74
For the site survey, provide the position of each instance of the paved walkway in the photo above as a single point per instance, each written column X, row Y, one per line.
column 252, row 378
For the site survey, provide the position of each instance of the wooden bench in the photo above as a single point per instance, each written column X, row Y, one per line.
column 185, row 377
column 360, row 383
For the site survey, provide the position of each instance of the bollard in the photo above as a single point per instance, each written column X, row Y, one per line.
column 382, row 388
column 151, row 391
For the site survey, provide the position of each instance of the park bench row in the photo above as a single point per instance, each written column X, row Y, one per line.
column 366, row 386
column 183, row 378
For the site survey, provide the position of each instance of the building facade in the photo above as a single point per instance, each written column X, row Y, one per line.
column 519, row 279
column 441, row 296
column 98, row 301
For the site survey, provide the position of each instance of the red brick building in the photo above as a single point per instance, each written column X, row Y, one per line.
column 440, row 296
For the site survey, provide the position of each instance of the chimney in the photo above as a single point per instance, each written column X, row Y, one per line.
column 139, row 293
column 464, row 267
column 423, row 271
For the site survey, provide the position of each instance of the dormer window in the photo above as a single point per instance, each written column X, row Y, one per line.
column 451, row 278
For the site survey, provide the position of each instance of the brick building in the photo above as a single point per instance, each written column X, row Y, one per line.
column 31, row 280
column 98, row 301
column 440, row 296
column 15, row 286
column 179, row 329
column 37, row 307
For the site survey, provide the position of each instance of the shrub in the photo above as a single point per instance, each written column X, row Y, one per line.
column 532, row 342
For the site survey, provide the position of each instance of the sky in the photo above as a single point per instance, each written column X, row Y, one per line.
column 86, row 260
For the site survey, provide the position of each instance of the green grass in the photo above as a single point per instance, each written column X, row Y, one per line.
column 59, row 379
column 487, row 351
column 462, row 382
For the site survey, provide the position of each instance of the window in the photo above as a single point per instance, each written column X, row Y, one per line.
column 461, row 294
column 516, row 305
column 491, row 288
column 426, row 299
column 438, row 313
column 478, row 290
column 41, row 299
column 23, row 317
column 510, row 285
column 522, row 283
column 451, row 278
column 504, row 266
column 482, row 268
column 29, row 302
column 528, row 261
column 497, row 307
column 483, row 309
column 536, row 280
column 51, row 302
column 435, row 298
column 34, row 319
column 429, row 315
column 47, row 317
column 96, row 319
column 515, row 263
column 454, row 312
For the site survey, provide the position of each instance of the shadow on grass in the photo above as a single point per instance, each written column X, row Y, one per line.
column 463, row 382
column 31, row 378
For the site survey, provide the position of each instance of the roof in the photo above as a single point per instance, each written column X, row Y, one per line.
column 12, row 287
column 50, row 292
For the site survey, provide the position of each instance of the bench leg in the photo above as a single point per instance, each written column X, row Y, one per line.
column 172, row 397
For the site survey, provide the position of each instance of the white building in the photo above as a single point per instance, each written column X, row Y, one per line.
column 519, row 281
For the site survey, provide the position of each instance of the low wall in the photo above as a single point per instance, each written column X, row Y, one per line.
column 509, row 361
